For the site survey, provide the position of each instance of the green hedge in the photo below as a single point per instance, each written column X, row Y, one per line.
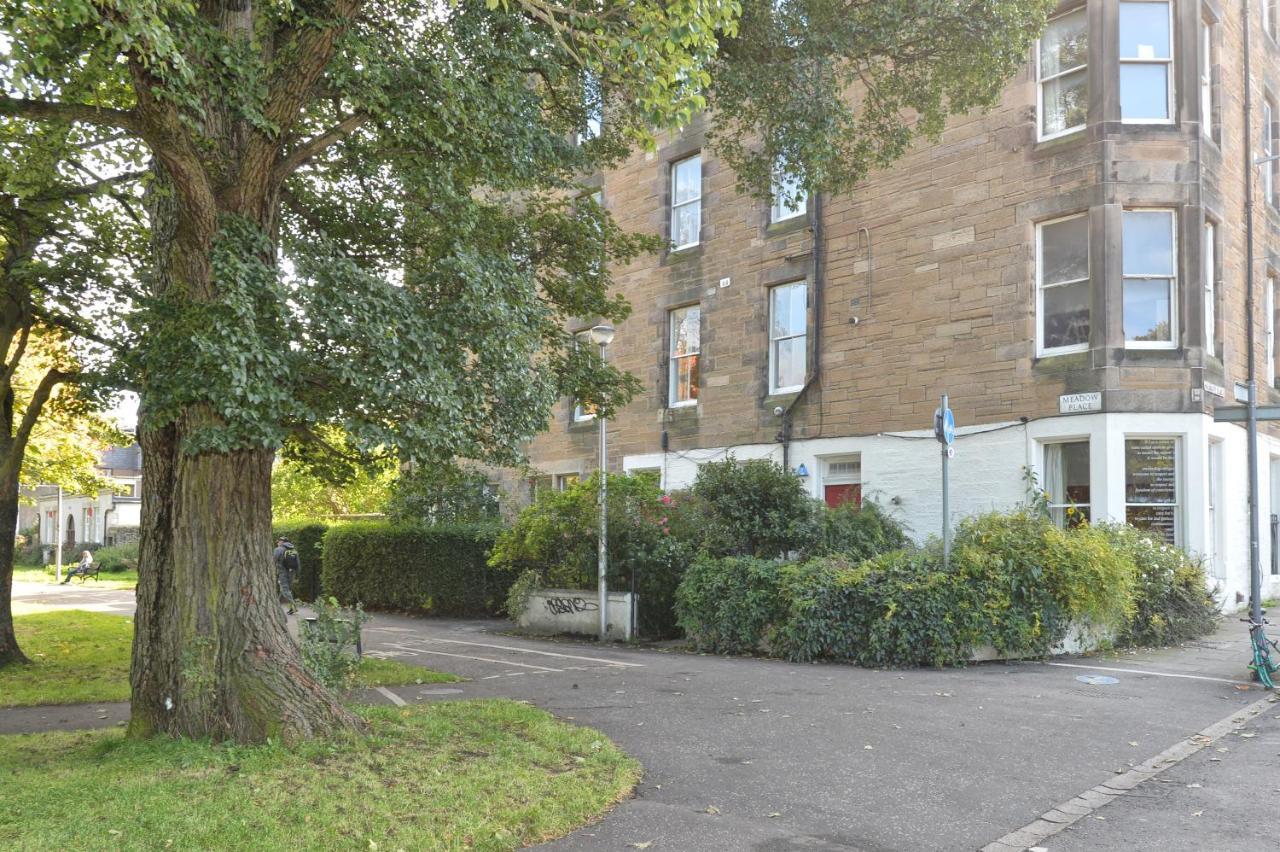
column 1015, row 582
column 441, row 570
column 308, row 537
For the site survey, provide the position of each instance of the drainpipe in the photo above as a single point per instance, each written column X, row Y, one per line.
column 819, row 252
column 1255, row 565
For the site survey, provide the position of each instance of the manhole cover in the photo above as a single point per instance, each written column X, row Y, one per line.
column 440, row 692
column 1097, row 680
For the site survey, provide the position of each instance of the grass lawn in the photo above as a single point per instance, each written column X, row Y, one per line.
column 116, row 580
column 455, row 775
column 83, row 657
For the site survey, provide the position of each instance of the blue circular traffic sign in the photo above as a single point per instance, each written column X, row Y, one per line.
column 948, row 427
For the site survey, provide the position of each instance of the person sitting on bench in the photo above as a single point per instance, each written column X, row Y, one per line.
column 84, row 569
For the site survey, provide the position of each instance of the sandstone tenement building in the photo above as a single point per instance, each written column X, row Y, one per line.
column 1069, row 267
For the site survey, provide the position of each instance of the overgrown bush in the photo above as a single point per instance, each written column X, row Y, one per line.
column 729, row 605
column 1032, row 580
column 1015, row 582
column 857, row 532
column 442, row 570
column 896, row 609
column 753, row 508
column 118, row 557
column 650, row 544
column 308, row 538
column 1171, row 597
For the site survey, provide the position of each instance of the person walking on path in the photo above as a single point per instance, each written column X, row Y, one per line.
column 287, row 565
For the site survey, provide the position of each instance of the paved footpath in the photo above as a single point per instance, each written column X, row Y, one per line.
column 744, row 754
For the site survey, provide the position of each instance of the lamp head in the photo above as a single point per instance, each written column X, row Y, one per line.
column 601, row 335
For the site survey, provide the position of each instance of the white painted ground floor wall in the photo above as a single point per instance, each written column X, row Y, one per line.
column 902, row 472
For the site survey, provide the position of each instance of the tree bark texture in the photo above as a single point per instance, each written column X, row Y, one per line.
column 10, row 652
column 211, row 654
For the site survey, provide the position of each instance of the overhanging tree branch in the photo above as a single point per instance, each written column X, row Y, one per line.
column 35, row 110
column 317, row 145
column 43, row 391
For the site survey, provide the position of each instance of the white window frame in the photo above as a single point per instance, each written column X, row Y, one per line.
column 1209, row 249
column 1044, row 471
column 673, row 366
column 1179, row 523
column 580, row 414
column 1207, row 32
column 1213, row 507
column 1270, row 148
column 563, row 481
column 1269, row 328
column 1172, row 342
column 1041, row 350
column 827, row 477
column 1041, row 80
column 697, row 202
column 778, row 210
column 773, row 341
column 1170, row 83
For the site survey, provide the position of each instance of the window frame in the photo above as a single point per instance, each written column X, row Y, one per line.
column 1269, row 19
column 1269, row 327
column 1044, row 470
column 1041, row 80
column 1270, row 148
column 1170, row 63
column 675, row 168
column 774, row 341
column 1208, row 53
column 1041, row 350
column 1179, row 532
column 778, row 212
column 1209, row 274
column 673, row 365
column 1172, row 278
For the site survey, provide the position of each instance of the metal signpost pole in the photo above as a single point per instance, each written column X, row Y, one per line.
column 603, row 550
column 944, row 429
column 602, row 336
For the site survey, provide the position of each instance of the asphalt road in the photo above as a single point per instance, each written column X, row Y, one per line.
column 745, row 754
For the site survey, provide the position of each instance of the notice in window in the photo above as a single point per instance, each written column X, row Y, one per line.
column 1151, row 485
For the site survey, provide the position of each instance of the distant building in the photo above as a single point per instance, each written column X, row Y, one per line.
column 110, row 517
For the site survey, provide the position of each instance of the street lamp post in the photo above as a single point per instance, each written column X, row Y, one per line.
column 602, row 336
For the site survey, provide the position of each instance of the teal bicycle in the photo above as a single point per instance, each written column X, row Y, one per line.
column 1264, row 665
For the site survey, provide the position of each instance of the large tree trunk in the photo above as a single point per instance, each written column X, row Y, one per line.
column 9, row 650
column 212, row 655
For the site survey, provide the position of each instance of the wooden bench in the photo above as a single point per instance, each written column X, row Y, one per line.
column 86, row 573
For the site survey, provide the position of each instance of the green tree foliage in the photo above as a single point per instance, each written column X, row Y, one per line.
column 443, row 493
column 754, row 508
column 299, row 492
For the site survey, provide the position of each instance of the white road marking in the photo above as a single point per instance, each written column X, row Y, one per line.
column 481, row 659
column 391, row 696
column 1145, row 672
column 531, row 651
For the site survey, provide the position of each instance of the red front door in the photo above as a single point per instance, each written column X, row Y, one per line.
column 838, row 495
